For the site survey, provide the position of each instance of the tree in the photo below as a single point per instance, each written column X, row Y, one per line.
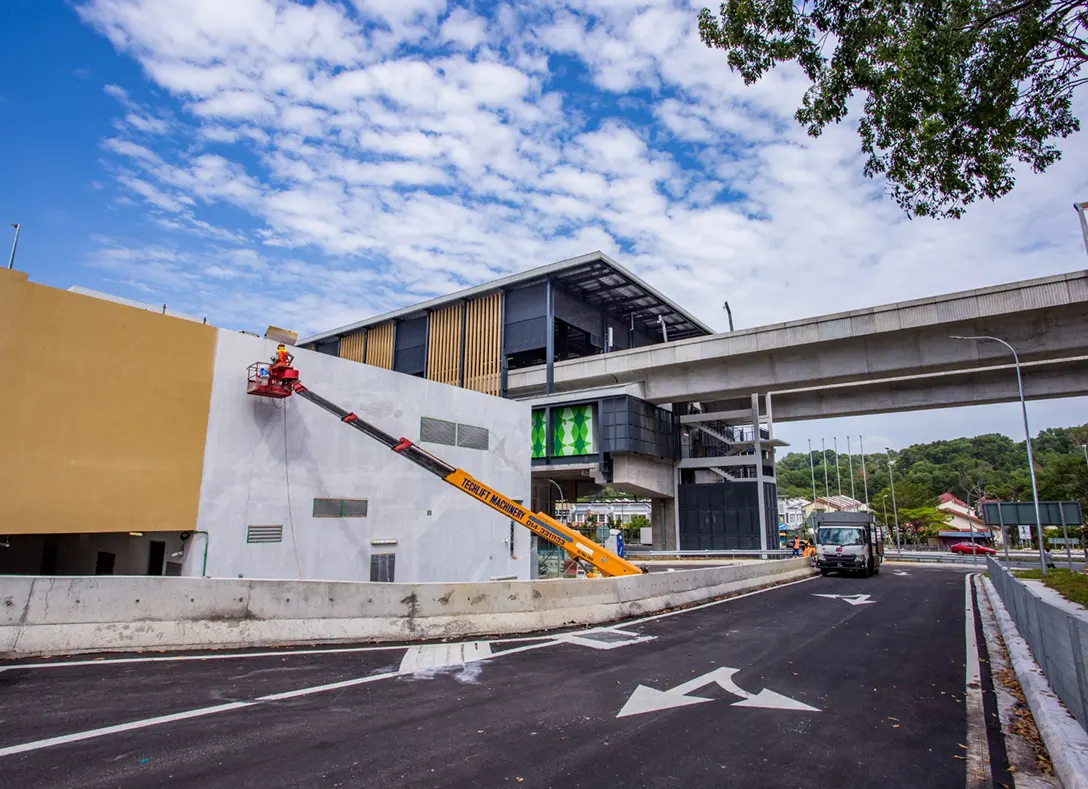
column 922, row 522
column 633, row 532
column 956, row 91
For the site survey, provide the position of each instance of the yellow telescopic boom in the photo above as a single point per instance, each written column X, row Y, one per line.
column 544, row 526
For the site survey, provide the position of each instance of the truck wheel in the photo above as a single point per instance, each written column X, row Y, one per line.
column 823, row 572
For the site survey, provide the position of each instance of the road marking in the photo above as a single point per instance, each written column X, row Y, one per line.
column 646, row 699
column 601, row 638
column 202, row 711
column 900, row 572
column 287, row 652
column 180, row 716
column 978, row 753
column 86, row 735
column 852, row 599
column 427, row 656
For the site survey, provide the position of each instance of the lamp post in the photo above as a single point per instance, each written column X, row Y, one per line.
column 1027, row 438
column 971, row 527
column 891, row 484
column 884, row 499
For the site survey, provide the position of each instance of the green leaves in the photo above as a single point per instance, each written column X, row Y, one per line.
column 956, row 91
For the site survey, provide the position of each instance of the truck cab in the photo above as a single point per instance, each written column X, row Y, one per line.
column 848, row 542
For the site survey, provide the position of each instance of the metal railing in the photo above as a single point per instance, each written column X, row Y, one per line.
column 1058, row 639
column 1024, row 561
column 774, row 553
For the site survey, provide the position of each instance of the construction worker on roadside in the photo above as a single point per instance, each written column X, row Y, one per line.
column 796, row 546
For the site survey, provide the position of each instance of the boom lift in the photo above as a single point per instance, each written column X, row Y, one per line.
column 280, row 380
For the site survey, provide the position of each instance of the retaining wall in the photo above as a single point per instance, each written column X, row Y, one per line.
column 64, row 615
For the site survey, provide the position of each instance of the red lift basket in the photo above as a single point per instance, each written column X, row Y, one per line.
column 268, row 380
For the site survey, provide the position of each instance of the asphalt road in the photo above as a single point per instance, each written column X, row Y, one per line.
column 883, row 674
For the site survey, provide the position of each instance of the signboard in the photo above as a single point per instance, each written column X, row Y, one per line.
column 1025, row 533
column 1019, row 513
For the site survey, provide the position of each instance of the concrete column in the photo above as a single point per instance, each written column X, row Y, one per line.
column 664, row 514
column 502, row 345
column 759, row 476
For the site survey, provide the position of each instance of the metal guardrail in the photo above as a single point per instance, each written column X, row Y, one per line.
column 1024, row 561
column 633, row 555
column 935, row 557
column 1058, row 639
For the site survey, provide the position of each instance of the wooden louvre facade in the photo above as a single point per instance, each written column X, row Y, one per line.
column 567, row 310
column 353, row 346
column 483, row 344
column 444, row 345
column 379, row 346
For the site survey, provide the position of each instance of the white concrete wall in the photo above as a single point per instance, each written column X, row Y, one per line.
column 66, row 615
column 265, row 462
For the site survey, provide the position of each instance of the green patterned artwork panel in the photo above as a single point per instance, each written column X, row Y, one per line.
column 572, row 431
column 540, row 435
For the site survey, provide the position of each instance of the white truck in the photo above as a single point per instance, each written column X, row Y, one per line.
column 848, row 542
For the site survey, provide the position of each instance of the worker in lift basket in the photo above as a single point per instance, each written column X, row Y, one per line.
column 282, row 358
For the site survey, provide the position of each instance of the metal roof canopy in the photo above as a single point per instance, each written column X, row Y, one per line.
column 595, row 279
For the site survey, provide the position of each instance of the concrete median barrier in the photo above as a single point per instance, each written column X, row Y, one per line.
column 66, row 615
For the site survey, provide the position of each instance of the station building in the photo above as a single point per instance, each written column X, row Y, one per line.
column 584, row 439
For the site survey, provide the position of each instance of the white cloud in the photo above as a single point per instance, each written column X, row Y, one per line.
column 397, row 149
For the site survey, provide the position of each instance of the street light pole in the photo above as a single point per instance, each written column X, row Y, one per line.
column 891, row 484
column 1080, row 208
column 1027, row 438
column 14, row 244
column 827, row 493
column 838, row 476
column 971, row 526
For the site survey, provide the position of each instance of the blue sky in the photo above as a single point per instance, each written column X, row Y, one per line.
column 309, row 164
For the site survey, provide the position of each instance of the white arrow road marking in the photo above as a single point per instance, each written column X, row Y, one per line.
column 768, row 699
column 852, row 599
column 646, row 699
column 900, row 572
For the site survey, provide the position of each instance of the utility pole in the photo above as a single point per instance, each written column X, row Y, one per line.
column 14, row 244
column 729, row 312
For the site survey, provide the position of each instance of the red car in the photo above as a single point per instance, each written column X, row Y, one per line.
column 969, row 547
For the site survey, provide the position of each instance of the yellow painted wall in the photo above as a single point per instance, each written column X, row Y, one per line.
column 103, row 413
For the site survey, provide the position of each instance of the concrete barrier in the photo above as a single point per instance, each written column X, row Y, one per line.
column 66, row 615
